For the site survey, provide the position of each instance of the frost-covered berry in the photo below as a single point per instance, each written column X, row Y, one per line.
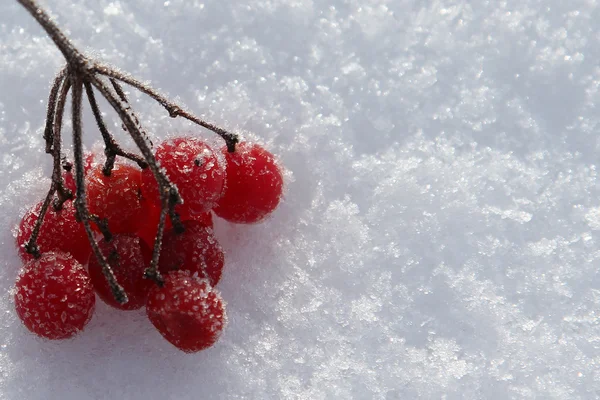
column 128, row 256
column 54, row 296
column 253, row 185
column 194, row 168
column 187, row 311
column 60, row 231
column 116, row 197
column 196, row 250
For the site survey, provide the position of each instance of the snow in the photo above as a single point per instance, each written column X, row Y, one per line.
column 438, row 237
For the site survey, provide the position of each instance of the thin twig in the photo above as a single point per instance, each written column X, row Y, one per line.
column 55, row 113
column 31, row 246
column 102, row 224
column 64, row 194
column 127, row 105
column 80, row 201
column 173, row 109
column 49, row 130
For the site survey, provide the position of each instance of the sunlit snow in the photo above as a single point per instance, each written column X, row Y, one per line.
column 438, row 234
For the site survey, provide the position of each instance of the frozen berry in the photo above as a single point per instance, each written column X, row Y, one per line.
column 205, row 219
column 253, row 185
column 60, row 231
column 116, row 197
column 187, row 311
column 196, row 170
column 128, row 257
column 195, row 250
column 54, row 296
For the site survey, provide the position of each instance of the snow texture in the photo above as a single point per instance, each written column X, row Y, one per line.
column 440, row 232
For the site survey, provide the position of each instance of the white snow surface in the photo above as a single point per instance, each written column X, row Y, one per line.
column 440, row 232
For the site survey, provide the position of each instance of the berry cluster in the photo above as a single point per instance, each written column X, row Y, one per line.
column 144, row 232
column 54, row 293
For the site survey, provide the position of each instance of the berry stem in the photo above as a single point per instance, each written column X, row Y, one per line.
column 48, row 132
column 173, row 109
column 31, row 246
column 64, row 194
column 53, row 131
column 125, row 100
column 102, row 225
column 80, row 201
column 132, row 129
column 152, row 271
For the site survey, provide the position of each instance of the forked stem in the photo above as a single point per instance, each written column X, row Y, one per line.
column 112, row 148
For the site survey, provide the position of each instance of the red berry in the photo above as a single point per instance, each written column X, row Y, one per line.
column 195, row 250
column 54, row 296
column 196, row 170
column 128, row 256
column 60, row 231
column 151, row 217
column 253, row 186
column 187, row 311
column 116, row 197
column 204, row 219
column 149, row 224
